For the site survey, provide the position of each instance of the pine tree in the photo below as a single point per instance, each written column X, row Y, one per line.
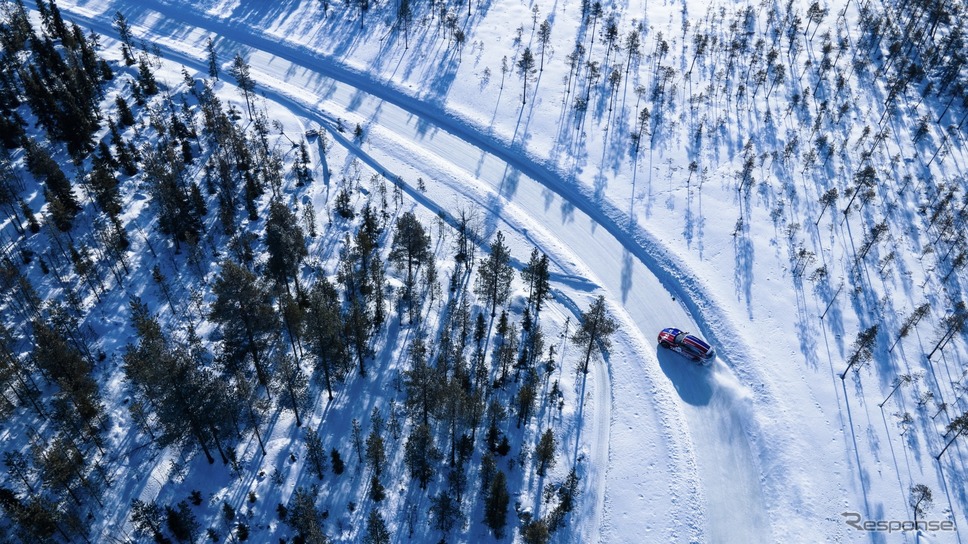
column 495, row 274
column 445, row 512
column 243, row 307
column 124, row 32
column 324, row 332
column 545, row 451
column 182, row 522
column 496, row 504
column 315, row 453
column 146, row 518
column 212, row 58
column 125, row 115
column 337, row 461
column 420, row 455
column 526, row 69
column 292, row 385
column 190, row 404
column 375, row 451
column 285, row 243
column 305, row 518
column 376, row 529
column 595, row 330
column 146, row 78
column 240, row 71
column 410, row 250
column 420, row 382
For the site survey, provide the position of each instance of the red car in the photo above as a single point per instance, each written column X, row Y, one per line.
column 688, row 345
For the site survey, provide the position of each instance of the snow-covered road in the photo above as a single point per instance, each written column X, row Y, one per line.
column 704, row 484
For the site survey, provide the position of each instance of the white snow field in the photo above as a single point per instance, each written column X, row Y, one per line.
column 769, row 443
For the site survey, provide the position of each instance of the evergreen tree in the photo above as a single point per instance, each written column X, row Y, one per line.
column 376, row 529
column 292, row 384
column 495, row 274
column 182, row 522
column 337, row 461
column 545, row 451
column 315, row 453
column 212, row 58
column 445, row 512
column 244, row 309
column 285, row 243
column 146, row 78
column 124, row 32
column 63, row 364
column 526, row 69
column 324, row 331
column 305, row 518
column 420, row 382
column 420, row 455
column 358, row 317
column 125, row 115
column 375, row 451
column 538, row 278
column 240, row 71
column 189, row 402
column 410, row 250
column 496, row 504
column 595, row 329
column 146, row 518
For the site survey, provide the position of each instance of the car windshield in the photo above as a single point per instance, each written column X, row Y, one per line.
column 680, row 337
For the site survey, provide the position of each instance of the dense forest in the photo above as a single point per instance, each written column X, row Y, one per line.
column 160, row 210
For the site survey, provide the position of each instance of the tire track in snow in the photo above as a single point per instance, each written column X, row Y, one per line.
column 666, row 269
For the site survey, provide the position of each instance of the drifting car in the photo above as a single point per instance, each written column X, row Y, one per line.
column 688, row 345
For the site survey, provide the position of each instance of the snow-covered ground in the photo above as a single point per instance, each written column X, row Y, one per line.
column 768, row 443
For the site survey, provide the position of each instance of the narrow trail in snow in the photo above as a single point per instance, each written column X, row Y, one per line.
column 716, row 426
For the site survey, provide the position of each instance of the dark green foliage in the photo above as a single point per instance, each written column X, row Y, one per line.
column 212, row 58
column 376, row 529
column 146, row 518
column 377, row 491
column 182, row 522
column 496, row 504
column 124, row 31
column 494, row 275
column 62, row 363
column 304, row 518
column 410, row 250
column 375, row 451
column 244, row 309
column 337, row 461
column 421, row 455
column 164, row 175
column 104, row 186
column 343, row 206
column 125, row 116
column 292, row 385
column 567, row 493
column 146, row 78
column 445, row 512
column 535, row 532
column 324, row 331
column 315, row 453
column 537, row 276
column 595, row 329
column 190, row 404
column 544, row 451
column 285, row 243
column 228, row 512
